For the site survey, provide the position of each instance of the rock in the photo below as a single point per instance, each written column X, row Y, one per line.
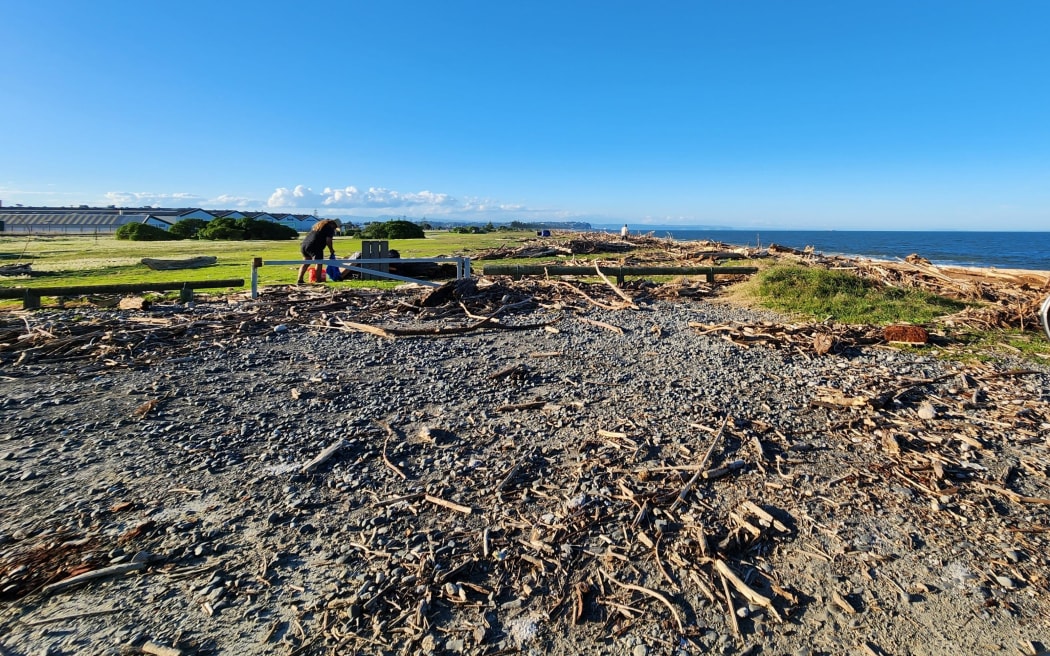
column 926, row 411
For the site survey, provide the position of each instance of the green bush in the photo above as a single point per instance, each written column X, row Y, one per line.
column 268, row 230
column 222, row 233
column 396, row 229
column 187, row 228
column 143, row 232
column 221, row 228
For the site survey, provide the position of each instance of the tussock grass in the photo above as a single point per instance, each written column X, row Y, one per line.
column 842, row 296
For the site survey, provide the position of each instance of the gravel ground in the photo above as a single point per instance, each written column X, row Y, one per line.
column 501, row 492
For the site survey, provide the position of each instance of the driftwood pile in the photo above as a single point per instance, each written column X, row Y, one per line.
column 1002, row 299
column 999, row 299
column 456, row 307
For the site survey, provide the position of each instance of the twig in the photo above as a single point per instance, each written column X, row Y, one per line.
column 1014, row 496
column 732, row 612
column 405, row 497
column 703, row 464
column 159, row 650
column 593, row 302
column 652, row 593
column 386, row 460
column 602, row 324
column 509, row 478
column 362, row 327
column 466, row 510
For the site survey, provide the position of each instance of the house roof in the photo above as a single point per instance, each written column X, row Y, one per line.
column 74, row 218
column 155, row 211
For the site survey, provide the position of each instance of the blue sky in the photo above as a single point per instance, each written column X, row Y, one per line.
column 748, row 113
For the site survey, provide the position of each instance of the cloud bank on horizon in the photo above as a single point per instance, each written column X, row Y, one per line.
column 349, row 199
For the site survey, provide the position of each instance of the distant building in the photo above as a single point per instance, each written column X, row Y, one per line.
column 106, row 220
column 75, row 222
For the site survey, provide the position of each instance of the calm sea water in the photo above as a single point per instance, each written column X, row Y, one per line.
column 1003, row 250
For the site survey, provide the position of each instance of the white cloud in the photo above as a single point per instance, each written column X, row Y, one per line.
column 350, row 197
column 300, row 196
column 227, row 201
column 352, row 200
column 149, row 199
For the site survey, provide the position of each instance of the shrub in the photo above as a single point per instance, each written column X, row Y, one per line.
column 187, row 228
column 397, row 229
column 221, row 228
column 255, row 229
column 143, row 232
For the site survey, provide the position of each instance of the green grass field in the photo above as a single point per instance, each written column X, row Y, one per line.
column 87, row 260
column 83, row 260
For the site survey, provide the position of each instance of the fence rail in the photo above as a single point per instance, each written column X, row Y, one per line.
column 361, row 266
column 31, row 295
column 519, row 270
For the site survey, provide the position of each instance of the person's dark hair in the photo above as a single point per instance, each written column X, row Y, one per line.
column 320, row 224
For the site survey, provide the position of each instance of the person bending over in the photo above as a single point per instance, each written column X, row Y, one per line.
column 312, row 248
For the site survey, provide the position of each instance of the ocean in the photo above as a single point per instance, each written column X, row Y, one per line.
column 1002, row 250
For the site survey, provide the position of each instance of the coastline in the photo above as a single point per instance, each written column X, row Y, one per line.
column 1001, row 250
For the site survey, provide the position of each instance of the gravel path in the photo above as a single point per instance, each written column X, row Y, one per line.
column 503, row 492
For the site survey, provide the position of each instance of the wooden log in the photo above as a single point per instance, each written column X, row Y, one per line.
column 365, row 328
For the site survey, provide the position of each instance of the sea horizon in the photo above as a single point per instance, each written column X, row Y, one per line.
column 1028, row 250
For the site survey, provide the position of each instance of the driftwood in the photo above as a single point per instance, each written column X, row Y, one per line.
column 24, row 269
column 105, row 572
column 186, row 263
column 323, row 456
column 151, row 647
column 700, row 469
